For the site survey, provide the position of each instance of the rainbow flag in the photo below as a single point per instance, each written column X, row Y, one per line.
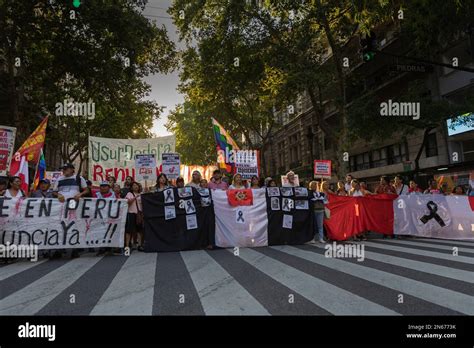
column 224, row 144
column 40, row 170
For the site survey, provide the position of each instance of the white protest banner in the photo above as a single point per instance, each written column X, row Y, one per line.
column 145, row 167
column 50, row 224
column 242, row 225
column 116, row 157
column 434, row 216
column 7, row 142
column 322, row 169
column 170, row 165
column 247, row 163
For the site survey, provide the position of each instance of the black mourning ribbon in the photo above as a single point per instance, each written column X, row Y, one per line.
column 433, row 208
column 286, row 204
column 168, row 195
column 241, row 218
column 190, row 207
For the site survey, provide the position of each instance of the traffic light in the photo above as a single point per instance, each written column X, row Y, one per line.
column 368, row 45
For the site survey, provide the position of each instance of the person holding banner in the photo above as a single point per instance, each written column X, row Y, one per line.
column 70, row 186
column 414, row 189
column 319, row 201
column 384, row 187
column 196, row 179
column 341, row 190
column 203, row 184
column 290, row 176
column 217, row 183
column 237, row 182
column 255, row 182
column 134, row 224
column 3, row 186
column 43, row 190
column 104, row 191
column 161, row 183
column 14, row 190
column 180, row 182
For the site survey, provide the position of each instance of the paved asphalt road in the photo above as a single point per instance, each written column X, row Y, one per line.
column 279, row 280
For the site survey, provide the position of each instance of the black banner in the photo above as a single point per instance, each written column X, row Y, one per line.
column 289, row 206
column 178, row 219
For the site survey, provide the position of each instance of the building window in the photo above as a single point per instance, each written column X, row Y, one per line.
column 281, row 154
column 431, row 145
column 294, row 147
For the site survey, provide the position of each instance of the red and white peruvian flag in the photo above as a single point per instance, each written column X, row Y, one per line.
column 23, row 174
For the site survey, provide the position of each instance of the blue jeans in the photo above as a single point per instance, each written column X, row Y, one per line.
column 318, row 224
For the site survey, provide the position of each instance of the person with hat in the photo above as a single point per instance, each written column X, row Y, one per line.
column 43, row 190
column 69, row 185
column 105, row 191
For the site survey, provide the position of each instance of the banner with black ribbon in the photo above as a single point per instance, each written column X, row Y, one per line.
column 174, row 223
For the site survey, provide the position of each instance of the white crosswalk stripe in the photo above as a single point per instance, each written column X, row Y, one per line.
column 443, row 297
column 317, row 291
column 219, row 292
column 36, row 295
column 131, row 291
column 17, row 267
column 445, row 241
column 444, row 256
column 426, row 267
column 132, row 288
column 461, row 250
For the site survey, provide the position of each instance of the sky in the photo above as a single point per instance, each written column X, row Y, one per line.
column 163, row 86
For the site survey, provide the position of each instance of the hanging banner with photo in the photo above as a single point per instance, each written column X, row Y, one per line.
column 178, row 219
column 50, row 224
column 7, row 143
column 116, row 157
column 247, row 163
column 170, row 165
column 322, row 169
column 145, row 167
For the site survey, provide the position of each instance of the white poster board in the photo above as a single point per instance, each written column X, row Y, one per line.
column 145, row 167
column 170, row 165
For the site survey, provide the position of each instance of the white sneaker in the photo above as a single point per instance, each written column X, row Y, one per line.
column 322, row 241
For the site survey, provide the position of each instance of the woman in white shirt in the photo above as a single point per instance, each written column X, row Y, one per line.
column 237, row 182
column 14, row 190
column 355, row 189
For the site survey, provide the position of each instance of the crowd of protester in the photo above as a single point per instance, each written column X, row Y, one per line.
column 70, row 185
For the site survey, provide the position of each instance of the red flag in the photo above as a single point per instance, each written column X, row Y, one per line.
column 31, row 148
column 240, row 197
column 353, row 215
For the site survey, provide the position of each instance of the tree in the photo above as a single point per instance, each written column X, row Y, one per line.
column 98, row 52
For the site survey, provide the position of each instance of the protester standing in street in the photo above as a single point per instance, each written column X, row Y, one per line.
column 237, row 182
column 399, row 186
column 161, row 183
column 126, row 186
column 43, row 190
column 134, row 225
column 14, row 190
column 196, row 179
column 319, row 201
column 217, row 183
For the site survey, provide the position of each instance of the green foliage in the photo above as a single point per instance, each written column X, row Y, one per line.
column 84, row 58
